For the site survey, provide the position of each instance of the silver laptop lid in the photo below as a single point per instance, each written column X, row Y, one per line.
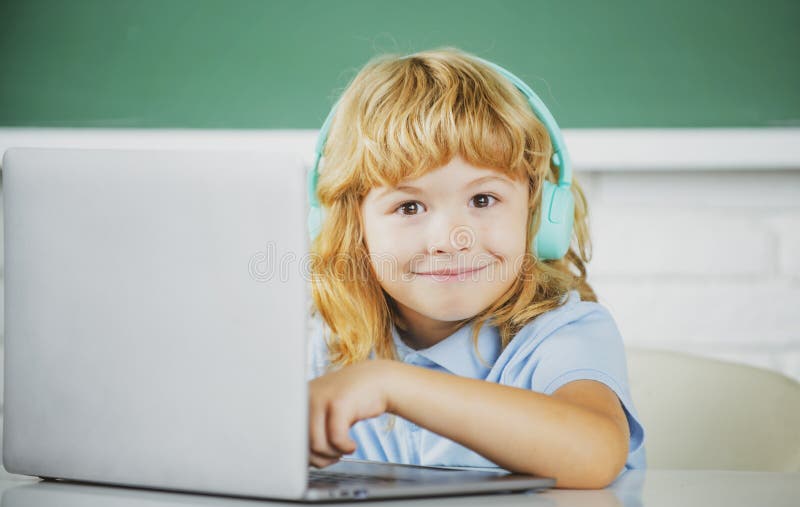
column 155, row 316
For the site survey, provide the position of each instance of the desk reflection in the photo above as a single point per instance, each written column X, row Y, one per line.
column 624, row 492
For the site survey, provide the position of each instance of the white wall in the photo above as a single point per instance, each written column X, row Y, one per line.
column 701, row 261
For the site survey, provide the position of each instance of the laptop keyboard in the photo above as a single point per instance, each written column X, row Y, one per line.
column 325, row 478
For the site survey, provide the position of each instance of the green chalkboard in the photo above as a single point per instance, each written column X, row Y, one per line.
column 281, row 64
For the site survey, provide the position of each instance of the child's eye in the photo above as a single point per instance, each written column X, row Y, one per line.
column 483, row 200
column 410, row 208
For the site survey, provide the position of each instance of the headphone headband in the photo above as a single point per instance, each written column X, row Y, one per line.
column 561, row 156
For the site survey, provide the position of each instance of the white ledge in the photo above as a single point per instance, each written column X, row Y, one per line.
column 591, row 149
column 676, row 149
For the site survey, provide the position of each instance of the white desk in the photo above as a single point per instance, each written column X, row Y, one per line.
column 652, row 488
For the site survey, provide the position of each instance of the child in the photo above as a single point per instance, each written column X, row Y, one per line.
column 441, row 304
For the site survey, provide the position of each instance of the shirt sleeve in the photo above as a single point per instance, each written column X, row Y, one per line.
column 589, row 347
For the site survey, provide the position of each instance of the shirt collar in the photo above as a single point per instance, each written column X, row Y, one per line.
column 456, row 353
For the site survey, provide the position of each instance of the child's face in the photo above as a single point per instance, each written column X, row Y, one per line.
column 447, row 222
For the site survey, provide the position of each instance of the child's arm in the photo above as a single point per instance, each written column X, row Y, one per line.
column 573, row 435
column 579, row 435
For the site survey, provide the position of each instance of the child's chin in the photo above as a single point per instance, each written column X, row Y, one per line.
column 450, row 314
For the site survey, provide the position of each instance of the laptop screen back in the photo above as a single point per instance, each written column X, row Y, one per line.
column 155, row 319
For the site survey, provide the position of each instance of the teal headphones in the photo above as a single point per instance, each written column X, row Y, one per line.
column 555, row 232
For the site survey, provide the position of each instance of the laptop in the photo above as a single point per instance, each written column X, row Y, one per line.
column 156, row 309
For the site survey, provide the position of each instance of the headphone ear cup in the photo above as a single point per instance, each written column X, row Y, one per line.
column 558, row 215
column 315, row 217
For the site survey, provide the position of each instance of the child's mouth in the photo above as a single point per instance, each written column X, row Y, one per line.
column 447, row 275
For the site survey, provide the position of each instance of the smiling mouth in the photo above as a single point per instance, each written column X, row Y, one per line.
column 444, row 273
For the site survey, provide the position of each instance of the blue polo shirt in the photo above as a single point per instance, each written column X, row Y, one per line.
column 578, row 340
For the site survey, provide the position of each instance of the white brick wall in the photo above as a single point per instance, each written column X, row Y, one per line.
column 701, row 261
column 786, row 226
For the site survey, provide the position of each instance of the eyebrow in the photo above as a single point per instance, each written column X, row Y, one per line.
column 415, row 190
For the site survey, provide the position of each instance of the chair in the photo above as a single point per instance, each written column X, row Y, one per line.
column 701, row 413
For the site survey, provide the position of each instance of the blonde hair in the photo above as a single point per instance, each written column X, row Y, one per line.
column 399, row 118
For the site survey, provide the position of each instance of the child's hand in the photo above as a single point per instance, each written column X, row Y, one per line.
column 338, row 400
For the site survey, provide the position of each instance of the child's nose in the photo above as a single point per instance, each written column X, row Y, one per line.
column 450, row 236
